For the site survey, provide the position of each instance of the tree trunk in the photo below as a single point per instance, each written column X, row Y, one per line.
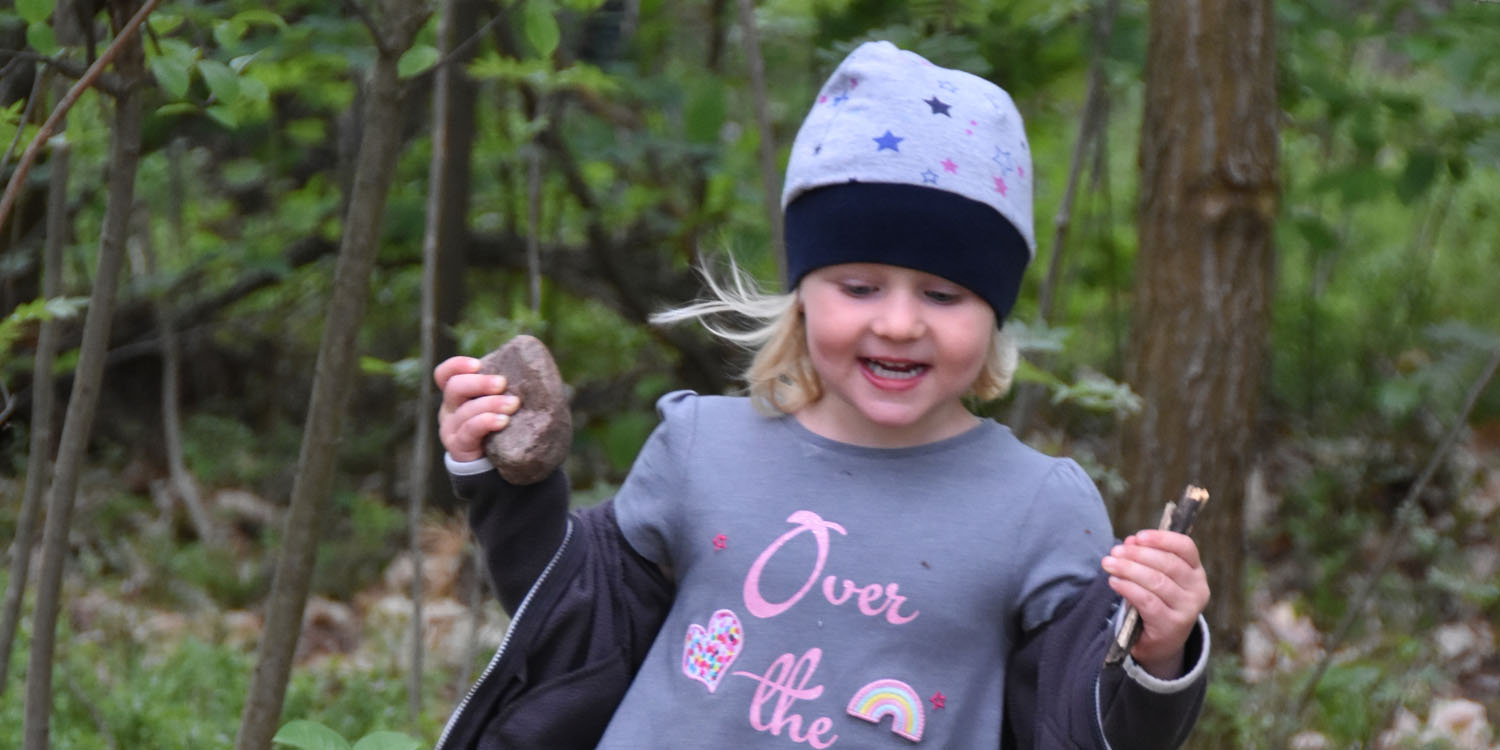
column 42, row 393
column 447, row 222
column 333, row 379
column 124, row 158
column 1204, row 275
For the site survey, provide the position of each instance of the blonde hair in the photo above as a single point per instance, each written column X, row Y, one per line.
column 781, row 378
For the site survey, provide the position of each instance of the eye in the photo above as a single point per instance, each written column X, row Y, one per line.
column 858, row 288
column 943, row 296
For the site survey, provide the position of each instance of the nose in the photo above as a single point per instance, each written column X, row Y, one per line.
column 899, row 318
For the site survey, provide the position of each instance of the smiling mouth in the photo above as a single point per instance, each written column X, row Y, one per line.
column 894, row 370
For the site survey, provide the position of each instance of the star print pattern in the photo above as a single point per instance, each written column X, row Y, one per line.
column 939, row 700
column 928, row 125
column 889, row 141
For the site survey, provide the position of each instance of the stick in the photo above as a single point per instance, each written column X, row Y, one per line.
column 1178, row 517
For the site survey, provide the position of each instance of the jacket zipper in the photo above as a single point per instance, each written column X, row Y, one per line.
column 499, row 652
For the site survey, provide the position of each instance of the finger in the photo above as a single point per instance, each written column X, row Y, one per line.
column 1162, row 621
column 464, row 440
column 1180, row 545
column 453, row 366
column 467, row 387
column 1153, row 580
column 1170, row 564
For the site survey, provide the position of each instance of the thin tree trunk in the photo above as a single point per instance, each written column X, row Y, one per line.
column 143, row 263
column 1204, row 274
column 337, row 363
column 42, row 396
column 125, row 152
column 447, row 218
column 1091, row 127
column 769, row 175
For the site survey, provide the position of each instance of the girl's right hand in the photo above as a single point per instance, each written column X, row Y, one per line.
column 474, row 405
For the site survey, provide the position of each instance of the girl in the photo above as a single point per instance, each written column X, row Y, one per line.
column 849, row 556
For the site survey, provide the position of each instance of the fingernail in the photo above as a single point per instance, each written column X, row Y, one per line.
column 498, row 383
column 511, row 402
column 1109, row 563
column 501, row 420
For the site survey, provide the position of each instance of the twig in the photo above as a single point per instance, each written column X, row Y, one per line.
column 13, row 190
column 10, row 403
column 1397, row 534
column 36, row 96
column 1178, row 517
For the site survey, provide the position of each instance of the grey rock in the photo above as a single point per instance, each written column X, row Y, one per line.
column 540, row 433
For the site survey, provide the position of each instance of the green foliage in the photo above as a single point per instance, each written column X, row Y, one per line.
column 16, row 322
column 304, row 734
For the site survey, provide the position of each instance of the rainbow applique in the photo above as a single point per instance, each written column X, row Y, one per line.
column 708, row 652
column 892, row 698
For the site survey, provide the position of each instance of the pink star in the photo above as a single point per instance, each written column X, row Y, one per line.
column 950, row 166
column 938, row 700
column 1000, row 185
column 721, row 541
column 1021, row 171
column 822, row 98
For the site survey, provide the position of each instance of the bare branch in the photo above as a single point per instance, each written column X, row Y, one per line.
column 90, row 77
column 9, row 405
column 36, row 90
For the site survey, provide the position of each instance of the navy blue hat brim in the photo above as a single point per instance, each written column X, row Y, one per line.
column 926, row 229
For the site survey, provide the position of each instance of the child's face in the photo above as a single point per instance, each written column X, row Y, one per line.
column 896, row 350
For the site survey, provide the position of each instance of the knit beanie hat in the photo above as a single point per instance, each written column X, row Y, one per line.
column 909, row 164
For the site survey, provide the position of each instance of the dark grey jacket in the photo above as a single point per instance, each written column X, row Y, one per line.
column 585, row 609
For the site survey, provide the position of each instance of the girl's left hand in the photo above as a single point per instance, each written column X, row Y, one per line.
column 1161, row 575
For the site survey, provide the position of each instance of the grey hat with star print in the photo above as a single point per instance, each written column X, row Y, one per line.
column 889, row 143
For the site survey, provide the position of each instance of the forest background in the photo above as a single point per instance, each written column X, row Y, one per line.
column 233, row 260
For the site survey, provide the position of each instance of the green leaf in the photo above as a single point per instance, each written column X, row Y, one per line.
column 259, row 16
column 180, row 51
column 164, row 23
column 385, row 740
column 222, row 82
column 40, row 37
column 254, row 90
column 541, row 28
column 177, row 108
column 171, row 75
column 374, row 365
column 239, row 64
column 34, row 11
column 309, row 735
column 229, row 33
column 1319, row 235
column 1421, row 170
column 417, row 60
column 223, row 116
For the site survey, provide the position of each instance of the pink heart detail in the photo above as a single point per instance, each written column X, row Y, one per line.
column 708, row 652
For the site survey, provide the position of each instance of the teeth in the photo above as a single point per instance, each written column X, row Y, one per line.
column 895, row 371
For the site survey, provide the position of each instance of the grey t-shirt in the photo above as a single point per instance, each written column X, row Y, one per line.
column 837, row 595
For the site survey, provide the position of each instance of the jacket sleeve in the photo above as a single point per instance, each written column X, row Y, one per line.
column 585, row 611
column 1059, row 696
column 519, row 527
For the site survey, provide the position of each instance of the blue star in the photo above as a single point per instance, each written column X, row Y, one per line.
column 840, row 99
column 929, row 177
column 938, row 106
column 889, row 141
column 1002, row 157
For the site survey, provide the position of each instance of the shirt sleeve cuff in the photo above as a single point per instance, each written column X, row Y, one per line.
column 467, row 468
column 1158, row 685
